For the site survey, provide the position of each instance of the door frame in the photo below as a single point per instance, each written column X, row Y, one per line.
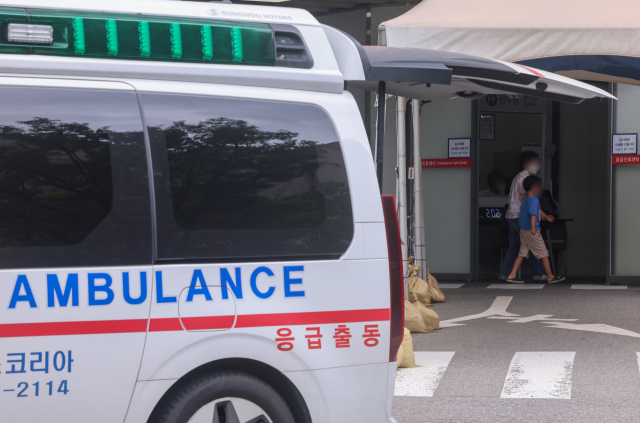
column 475, row 173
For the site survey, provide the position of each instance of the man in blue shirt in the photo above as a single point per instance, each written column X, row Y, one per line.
column 530, row 236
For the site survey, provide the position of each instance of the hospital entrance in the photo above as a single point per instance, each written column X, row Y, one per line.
column 572, row 142
column 464, row 217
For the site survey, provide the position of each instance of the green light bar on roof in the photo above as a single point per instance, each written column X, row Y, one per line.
column 121, row 36
column 78, row 35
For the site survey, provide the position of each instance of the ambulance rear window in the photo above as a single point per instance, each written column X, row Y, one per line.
column 73, row 179
column 246, row 179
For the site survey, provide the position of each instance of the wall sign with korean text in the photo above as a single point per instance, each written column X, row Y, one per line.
column 444, row 163
column 459, row 147
column 624, row 149
column 625, row 144
column 626, row 159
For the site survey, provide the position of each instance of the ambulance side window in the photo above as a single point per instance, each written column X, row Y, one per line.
column 246, row 179
column 73, row 179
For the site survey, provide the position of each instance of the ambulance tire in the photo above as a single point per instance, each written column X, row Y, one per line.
column 203, row 389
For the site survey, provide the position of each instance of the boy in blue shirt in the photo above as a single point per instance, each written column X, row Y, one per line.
column 530, row 236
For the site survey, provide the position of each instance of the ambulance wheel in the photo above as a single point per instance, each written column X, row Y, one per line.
column 222, row 397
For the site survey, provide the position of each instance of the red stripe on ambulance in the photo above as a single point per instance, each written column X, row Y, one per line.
column 96, row 327
column 315, row 318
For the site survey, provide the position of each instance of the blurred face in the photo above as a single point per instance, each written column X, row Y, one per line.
column 498, row 185
column 532, row 166
column 537, row 190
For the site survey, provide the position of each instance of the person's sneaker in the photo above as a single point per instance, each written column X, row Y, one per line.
column 541, row 278
column 503, row 278
column 556, row 279
column 514, row 280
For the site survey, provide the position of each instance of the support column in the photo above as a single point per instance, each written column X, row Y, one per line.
column 418, row 215
column 382, row 88
column 402, row 177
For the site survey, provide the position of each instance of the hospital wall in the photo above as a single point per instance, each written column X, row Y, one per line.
column 446, row 192
column 625, row 230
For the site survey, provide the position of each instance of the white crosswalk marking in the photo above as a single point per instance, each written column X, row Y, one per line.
column 423, row 381
column 539, row 375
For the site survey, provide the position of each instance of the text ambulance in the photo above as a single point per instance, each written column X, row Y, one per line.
column 190, row 224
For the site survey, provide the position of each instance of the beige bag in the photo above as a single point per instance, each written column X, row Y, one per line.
column 434, row 290
column 413, row 320
column 433, row 280
column 418, row 289
column 408, row 360
column 400, row 356
column 430, row 317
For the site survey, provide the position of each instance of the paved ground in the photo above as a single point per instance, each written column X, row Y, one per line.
column 516, row 361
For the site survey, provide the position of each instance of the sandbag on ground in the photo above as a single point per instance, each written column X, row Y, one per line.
column 418, row 289
column 434, row 290
column 400, row 356
column 409, row 359
column 413, row 320
column 430, row 317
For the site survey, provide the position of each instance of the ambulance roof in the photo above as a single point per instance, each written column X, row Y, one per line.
column 320, row 72
column 185, row 9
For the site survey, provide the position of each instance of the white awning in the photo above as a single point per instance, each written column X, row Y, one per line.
column 433, row 75
column 585, row 39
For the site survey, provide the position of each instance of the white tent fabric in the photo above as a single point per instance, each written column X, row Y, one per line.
column 588, row 39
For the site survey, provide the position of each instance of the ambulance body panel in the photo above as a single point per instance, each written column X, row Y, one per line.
column 114, row 343
column 338, row 389
column 73, row 376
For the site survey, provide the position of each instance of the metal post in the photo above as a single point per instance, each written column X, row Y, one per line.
column 380, row 130
column 402, row 177
column 418, row 215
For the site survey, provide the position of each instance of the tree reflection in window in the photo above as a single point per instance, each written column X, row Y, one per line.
column 228, row 174
column 55, row 182
column 246, row 179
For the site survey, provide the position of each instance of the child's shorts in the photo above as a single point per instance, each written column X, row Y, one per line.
column 533, row 243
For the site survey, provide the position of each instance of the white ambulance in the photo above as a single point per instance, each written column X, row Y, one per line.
column 191, row 228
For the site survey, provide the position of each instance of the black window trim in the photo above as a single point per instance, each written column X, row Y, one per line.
column 152, row 190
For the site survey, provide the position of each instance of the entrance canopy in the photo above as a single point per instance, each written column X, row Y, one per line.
column 582, row 39
column 433, row 75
